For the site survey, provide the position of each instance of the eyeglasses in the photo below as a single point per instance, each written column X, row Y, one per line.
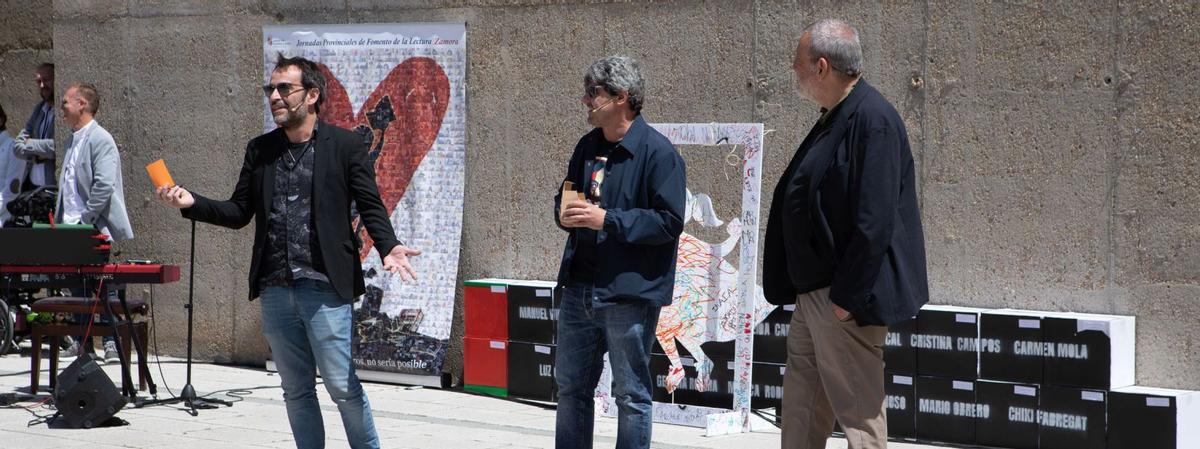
column 284, row 89
column 592, row 90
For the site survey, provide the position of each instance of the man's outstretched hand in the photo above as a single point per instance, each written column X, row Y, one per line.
column 176, row 197
column 396, row 262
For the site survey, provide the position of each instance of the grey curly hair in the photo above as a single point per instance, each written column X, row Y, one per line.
column 618, row 73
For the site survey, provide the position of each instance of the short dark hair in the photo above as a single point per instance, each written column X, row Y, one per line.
column 3, row 118
column 89, row 94
column 47, row 66
column 310, row 74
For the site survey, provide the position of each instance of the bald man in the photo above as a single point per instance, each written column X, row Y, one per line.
column 844, row 244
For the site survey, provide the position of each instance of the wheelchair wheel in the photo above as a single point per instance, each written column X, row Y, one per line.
column 6, row 328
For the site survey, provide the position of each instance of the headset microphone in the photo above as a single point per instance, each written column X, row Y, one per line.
column 295, row 108
column 601, row 106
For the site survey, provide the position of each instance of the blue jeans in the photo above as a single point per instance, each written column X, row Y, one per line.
column 586, row 329
column 308, row 327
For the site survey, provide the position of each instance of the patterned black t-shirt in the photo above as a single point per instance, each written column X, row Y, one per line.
column 292, row 250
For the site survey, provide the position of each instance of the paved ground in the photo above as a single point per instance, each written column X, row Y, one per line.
column 406, row 417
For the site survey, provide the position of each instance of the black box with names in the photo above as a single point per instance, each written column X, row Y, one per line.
column 947, row 342
column 1142, row 417
column 531, row 371
column 533, row 312
column 946, row 410
column 1012, row 418
column 1088, row 350
column 901, row 403
column 1010, row 346
column 899, row 355
column 1071, row 418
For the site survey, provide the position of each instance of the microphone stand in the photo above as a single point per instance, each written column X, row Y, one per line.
column 188, row 395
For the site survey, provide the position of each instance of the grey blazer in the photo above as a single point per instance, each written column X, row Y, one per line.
column 98, row 181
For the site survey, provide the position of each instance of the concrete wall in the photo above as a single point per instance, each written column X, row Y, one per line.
column 1056, row 141
column 26, row 41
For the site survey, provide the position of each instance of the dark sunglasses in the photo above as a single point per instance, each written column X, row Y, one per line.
column 592, row 90
column 284, row 89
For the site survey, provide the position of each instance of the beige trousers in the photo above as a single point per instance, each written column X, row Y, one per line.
column 834, row 371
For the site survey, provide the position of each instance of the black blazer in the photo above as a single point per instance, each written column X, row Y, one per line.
column 341, row 173
column 845, row 215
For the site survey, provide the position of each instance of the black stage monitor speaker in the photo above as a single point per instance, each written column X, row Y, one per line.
column 85, row 396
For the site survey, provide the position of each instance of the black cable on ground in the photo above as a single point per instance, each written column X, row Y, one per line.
column 239, row 394
column 46, row 403
column 154, row 332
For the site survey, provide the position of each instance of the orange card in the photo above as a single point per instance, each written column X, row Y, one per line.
column 159, row 174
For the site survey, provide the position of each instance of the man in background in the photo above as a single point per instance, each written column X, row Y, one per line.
column 35, row 143
column 91, row 190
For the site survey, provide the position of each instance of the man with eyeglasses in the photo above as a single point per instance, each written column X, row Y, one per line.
column 298, row 182
column 618, row 267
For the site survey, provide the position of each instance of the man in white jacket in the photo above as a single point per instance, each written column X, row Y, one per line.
column 90, row 189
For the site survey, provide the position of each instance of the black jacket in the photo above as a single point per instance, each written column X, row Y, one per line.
column 845, row 215
column 643, row 197
column 341, row 173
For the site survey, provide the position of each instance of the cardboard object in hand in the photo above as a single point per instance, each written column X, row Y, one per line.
column 569, row 194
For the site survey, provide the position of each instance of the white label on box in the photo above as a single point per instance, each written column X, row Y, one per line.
column 687, row 361
column 1029, row 324
column 902, row 380
column 1024, row 391
column 1092, row 325
column 964, row 317
column 960, row 385
column 497, row 289
column 497, row 345
column 729, row 365
column 1094, row 396
column 541, row 349
column 789, row 307
column 782, row 369
column 1158, row 402
column 543, row 293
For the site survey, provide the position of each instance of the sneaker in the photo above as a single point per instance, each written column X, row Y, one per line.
column 110, row 352
column 69, row 352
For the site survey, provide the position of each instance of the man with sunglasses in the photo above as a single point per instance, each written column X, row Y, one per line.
column 618, row 267
column 298, row 182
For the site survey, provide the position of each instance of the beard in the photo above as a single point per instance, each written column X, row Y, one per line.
column 289, row 117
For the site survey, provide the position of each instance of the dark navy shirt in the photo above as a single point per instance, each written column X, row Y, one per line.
column 643, row 195
column 41, row 126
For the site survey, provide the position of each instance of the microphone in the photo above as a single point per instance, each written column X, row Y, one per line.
column 295, row 108
column 601, row 106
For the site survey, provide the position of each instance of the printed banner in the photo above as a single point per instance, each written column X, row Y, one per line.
column 402, row 87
